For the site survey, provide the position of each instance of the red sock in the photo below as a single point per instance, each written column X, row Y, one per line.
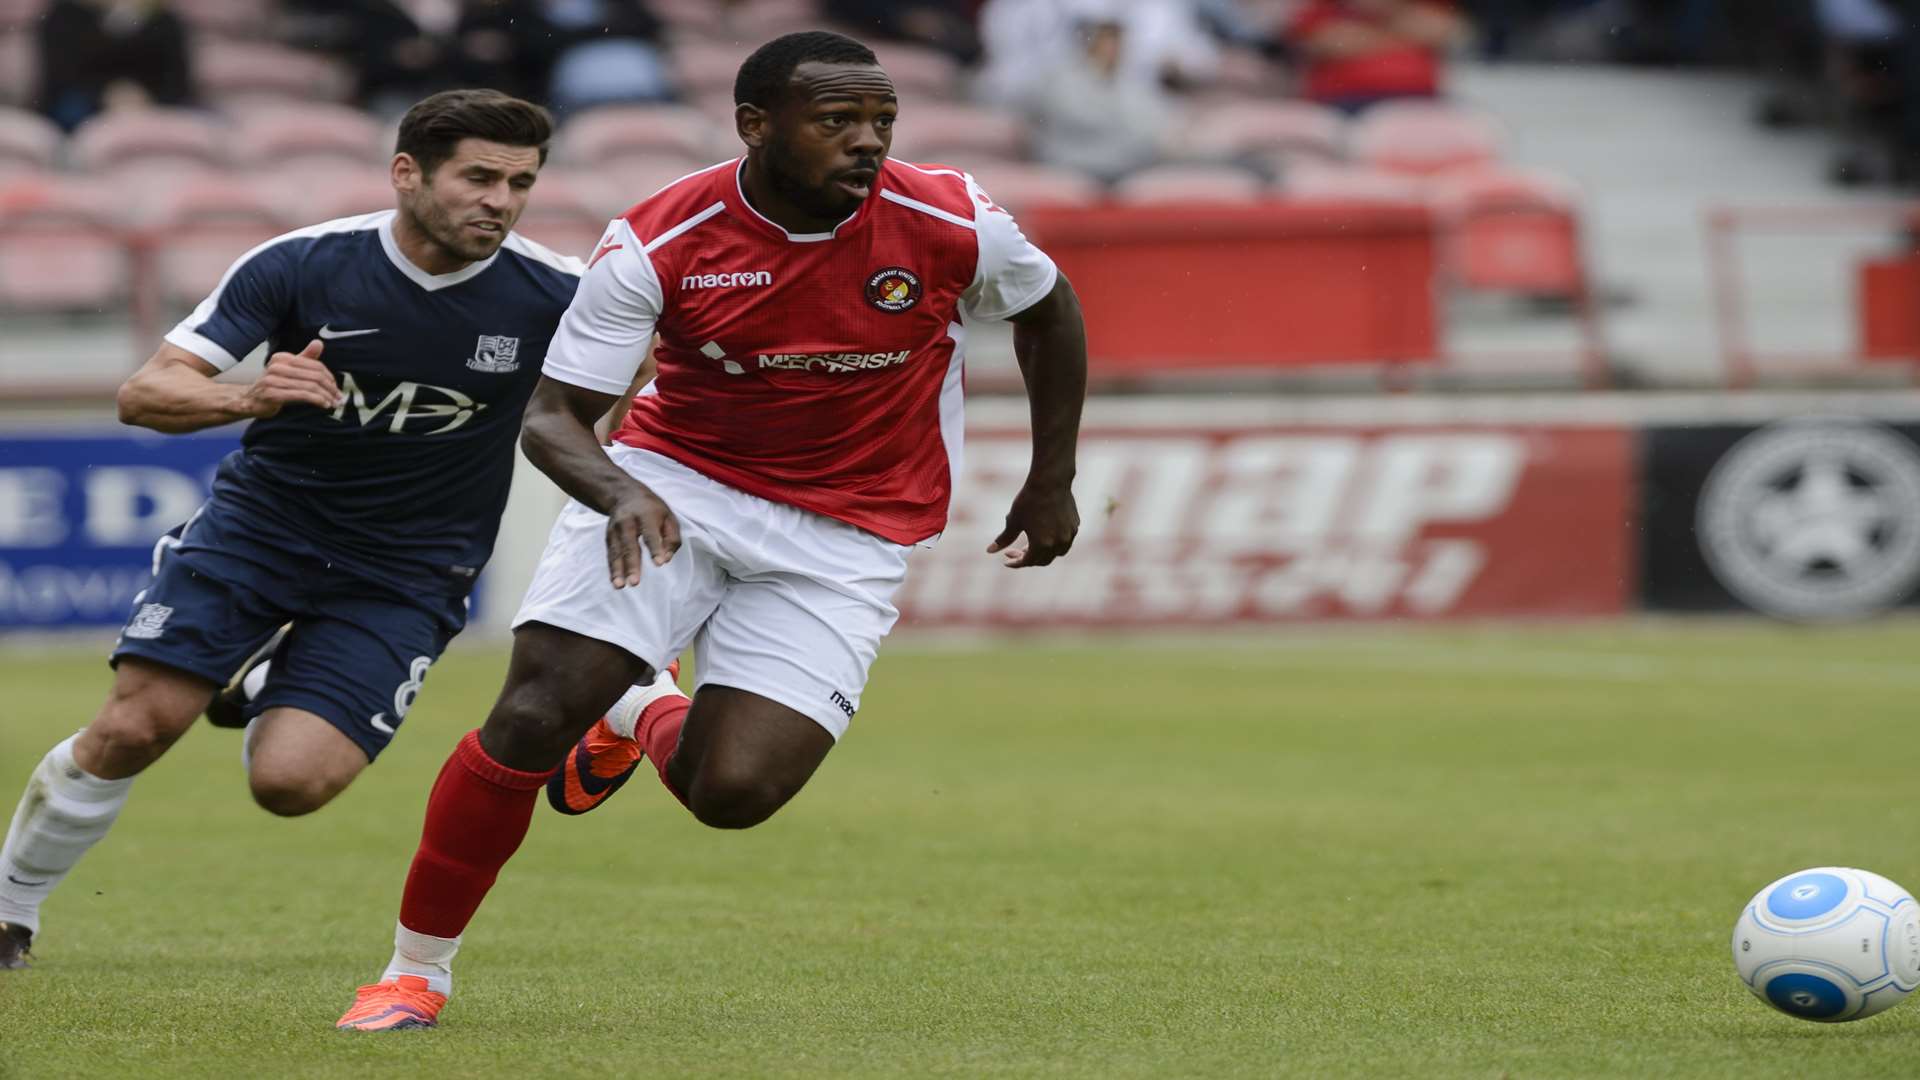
column 659, row 735
column 477, row 815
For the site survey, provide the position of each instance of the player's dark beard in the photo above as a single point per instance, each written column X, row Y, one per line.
column 829, row 204
column 438, row 224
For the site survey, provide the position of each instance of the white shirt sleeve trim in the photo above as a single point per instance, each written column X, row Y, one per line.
column 203, row 347
column 926, row 208
column 659, row 241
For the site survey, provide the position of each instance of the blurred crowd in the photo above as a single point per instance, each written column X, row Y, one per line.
column 1102, row 83
column 1105, row 87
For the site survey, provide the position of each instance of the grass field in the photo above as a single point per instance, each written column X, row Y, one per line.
column 1478, row 853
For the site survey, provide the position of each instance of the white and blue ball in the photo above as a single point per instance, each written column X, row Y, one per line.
column 1829, row 944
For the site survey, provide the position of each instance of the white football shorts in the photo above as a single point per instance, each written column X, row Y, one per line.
column 776, row 600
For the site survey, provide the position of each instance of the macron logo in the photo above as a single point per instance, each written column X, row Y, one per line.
column 726, row 281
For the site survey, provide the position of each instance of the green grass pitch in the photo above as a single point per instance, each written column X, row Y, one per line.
column 1462, row 852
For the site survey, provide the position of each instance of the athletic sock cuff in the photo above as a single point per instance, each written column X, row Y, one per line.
column 476, row 761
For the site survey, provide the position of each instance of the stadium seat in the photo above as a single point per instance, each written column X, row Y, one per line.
column 569, row 211
column 282, row 135
column 199, row 228
column 1322, row 181
column 1019, row 187
column 1268, row 130
column 920, row 74
column 28, row 142
column 600, row 136
column 958, row 134
column 1189, row 184
column 306, row 196
column 1513, row 231
column 60, row 247
column 235, row 72
column 19, row 67
column 20, row 14
column 157, row 138
column 1423, row 137
column 233, row 18
column 628, row 180
column 706, row 67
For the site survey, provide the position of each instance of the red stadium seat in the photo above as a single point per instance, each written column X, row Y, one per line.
column 19, row 67
column 235, row 18
column 232, row 72
column 1019, row 187
column 934, row 131
column 1423, row 137
column 1322, row 181
column 707, row 67
column 1266, row 128
column 569, row 211
column 199, row 228
column 306, row 196
column 156, row 138
column 628, row 180
column 1189, row 184
column 919, row 74
column 20, row 14
column 61, row 247
column 28, row 142
column 1513, row 231
column 614, row 132
column 283, row 135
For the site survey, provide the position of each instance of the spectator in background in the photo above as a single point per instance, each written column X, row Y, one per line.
column 1359, row 52
column 609, row 51
column 946, row 25
column 97, row 55
column 1091, row 114
column 1026, row 40
column 405, row 50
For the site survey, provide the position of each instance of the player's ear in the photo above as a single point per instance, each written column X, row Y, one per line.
column 406, row 174
column 751, row 121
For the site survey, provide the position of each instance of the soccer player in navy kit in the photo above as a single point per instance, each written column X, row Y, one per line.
column 404, row 346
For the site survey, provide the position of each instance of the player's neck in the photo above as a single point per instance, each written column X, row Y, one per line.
column 765, row 197
column 419, row 249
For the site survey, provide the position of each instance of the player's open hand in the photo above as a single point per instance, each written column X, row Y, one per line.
column 638, row 526
column 293, row 379
column 1047, row 515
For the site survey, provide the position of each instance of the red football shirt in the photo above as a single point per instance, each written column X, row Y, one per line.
column 819, row 370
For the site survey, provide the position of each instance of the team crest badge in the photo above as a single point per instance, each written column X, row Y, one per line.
column 894, row 289
column 495, row 354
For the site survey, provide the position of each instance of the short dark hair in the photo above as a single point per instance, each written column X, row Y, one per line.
column 767, row 75
column 433, row 128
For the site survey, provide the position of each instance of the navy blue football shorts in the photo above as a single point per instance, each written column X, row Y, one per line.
column 358, row 650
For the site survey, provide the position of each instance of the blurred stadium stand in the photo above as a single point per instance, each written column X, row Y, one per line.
column 108, row 233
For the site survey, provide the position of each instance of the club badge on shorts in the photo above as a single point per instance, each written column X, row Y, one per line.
column 894, row 289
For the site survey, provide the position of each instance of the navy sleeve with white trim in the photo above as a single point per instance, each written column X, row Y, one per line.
column 252, row 299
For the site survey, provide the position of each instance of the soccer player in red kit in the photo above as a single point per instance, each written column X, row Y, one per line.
column 762, row 495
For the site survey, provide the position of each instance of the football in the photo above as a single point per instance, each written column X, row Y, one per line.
column 1829, row 944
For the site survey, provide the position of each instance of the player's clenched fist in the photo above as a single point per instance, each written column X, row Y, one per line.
column 639, row 519
column 1049, row 518
column 293, row 379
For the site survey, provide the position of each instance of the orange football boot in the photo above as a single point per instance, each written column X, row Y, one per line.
column 396, row 1005
column 603, row 760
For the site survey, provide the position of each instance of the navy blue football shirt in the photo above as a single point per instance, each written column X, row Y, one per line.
column 410, row 475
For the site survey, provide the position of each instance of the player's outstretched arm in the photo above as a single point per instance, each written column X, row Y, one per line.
column 174, row 391
column 559, row 439
column 1050, row 341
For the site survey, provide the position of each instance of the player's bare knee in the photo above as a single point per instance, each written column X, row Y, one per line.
column 291, row 794
column 736, row 801
column 526, row 725
column 131, row 735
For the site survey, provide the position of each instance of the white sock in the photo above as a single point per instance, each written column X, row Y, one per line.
column 65, row 811
column 429, row 957
column 625, row 714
